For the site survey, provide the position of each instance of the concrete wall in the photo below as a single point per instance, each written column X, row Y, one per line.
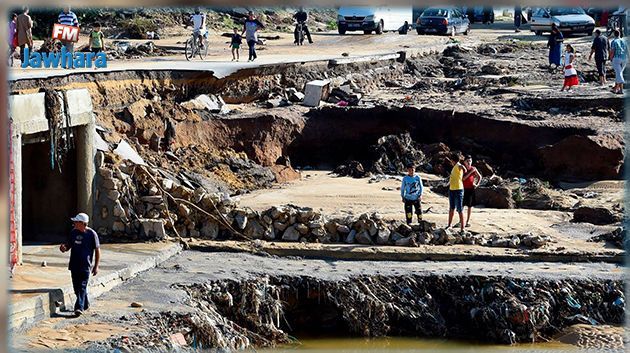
column 27, row 114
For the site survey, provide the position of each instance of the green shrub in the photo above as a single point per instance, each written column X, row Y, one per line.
column 331, row 25
column 137, row 27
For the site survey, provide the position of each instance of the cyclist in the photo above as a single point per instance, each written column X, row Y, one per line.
column 198, row 20
column 301, row 17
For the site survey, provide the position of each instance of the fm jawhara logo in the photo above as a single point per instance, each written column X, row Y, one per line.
column 64, row 57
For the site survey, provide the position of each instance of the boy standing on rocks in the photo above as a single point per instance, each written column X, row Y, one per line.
column 456, row 194
column 411, row 193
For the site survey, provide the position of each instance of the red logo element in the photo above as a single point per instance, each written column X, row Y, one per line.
column 65, row 33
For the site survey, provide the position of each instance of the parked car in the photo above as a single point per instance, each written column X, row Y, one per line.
column 372, row 19
column 442, row 20
column 568, row 20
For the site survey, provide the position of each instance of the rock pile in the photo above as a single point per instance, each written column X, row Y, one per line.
column 140, row 202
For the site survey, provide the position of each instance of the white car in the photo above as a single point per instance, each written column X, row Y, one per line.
column 568, row 20
column 369, row 19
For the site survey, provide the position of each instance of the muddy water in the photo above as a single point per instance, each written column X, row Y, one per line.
column 402, row 344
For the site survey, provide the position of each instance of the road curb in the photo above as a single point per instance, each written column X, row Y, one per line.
column 27, row 312
column 391, row 253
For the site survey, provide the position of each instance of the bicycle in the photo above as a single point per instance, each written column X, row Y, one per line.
column 300, row 33
column 192, row 46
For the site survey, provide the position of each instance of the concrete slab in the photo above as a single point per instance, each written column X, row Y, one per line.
column 28, row 113
column 35, row 288
column 79, row 104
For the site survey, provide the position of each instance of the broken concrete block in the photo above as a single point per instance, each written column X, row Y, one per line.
column 155, row 199
column 294, row 95
column 315, row 92
column 127, row 152
column 152, row 228
column 211, row 103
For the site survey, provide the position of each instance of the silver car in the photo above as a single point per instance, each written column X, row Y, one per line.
column 568, row 20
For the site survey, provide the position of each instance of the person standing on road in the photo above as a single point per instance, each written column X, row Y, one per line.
column 411, row 193
column 68, row 18
column 600, row 48
column 570, row 73
column 518, row 16
column 619, row 56
column 85, row 256
column 555, row 46
column 301, row 17
column 456, row 194
column 12, row 37
column 404, row 28
column 24, row 25
column 250, row 29
column 235, row 44
column 472, row 178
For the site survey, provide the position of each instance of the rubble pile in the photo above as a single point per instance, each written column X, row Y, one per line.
column 616, row 237
column 129, row 50
column 264, row 311
column 390, row 155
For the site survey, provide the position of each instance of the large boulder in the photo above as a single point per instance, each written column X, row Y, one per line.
column 494, row 196
column 584, row 157
column 595, row 215
column 291, row 234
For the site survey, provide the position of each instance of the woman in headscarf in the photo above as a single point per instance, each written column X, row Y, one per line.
column 555, row 46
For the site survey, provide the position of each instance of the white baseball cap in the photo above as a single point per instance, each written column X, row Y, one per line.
column 81, row 217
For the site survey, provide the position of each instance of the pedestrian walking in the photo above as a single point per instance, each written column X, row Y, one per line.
column 472, row 178
column 411, row 193
column 68, row 18
column 456, row 194
column 85, row 256
column 554, row 43
column 24, row 25
column 518, row 16
column 619, row 57
column 250, row 29
column 600, row 48
column 235, row 44
column 12, row 38
column 570, row 73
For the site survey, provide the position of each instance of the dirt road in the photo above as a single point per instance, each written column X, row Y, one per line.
column 327, row 45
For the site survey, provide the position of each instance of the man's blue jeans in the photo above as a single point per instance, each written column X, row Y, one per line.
column 80, row 282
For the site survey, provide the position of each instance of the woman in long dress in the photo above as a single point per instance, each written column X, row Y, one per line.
column 555, row 46
column 570, row 73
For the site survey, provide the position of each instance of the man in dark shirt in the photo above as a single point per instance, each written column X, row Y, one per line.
column 85, row 255
column 301, row 17
column 600, row 48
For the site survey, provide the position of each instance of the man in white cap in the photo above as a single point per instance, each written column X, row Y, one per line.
column 84, row 259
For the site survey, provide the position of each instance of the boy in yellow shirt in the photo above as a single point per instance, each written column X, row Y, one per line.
column 456, row 194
